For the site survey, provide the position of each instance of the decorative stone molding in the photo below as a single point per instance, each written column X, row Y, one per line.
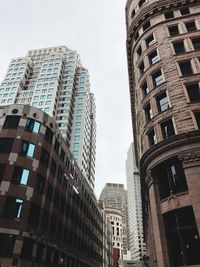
column 149, row 179
column 190, row 158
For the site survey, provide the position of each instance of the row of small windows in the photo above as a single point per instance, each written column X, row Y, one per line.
column 168, row 15
column 167, row 129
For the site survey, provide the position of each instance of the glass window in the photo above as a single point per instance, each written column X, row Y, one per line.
column 184, row 10
column 196, row 43
column 11, row 122
column 32, row 125
column 193, row 92
column 152, row 138
column 179, row 47
column 146, row 25
column 44, row 158
column 48, row 135
column 173, row 30
column 158, row 78
column 191, row 26
column 27, row 149
column 153, row 57
column 20, row 175
column 167, row 129
column 141, row 68
column 182, row 236
column 148, row 113
column 2, row 170
column 162, row 102
column 13, row 208
column 6, row 145
column 186, row 68
column 7, row 242
column 76, row 145
column 145, row 89
column 197, row 117
column 150, row 40
column 169, row 14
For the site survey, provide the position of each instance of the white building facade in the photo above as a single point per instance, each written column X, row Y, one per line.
column 136, row 239
column 54, row 80
column 115, row 196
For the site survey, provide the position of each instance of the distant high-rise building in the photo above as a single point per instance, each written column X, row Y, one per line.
column 115, row 196
column 54, row 80
column 163, row 42
column 136, row 239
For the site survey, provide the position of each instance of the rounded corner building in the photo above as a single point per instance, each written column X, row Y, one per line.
column 163, row 50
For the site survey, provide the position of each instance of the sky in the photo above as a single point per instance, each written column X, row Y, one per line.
column 96, row 29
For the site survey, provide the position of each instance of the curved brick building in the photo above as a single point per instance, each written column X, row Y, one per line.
column 48, row 213
column 163, row 48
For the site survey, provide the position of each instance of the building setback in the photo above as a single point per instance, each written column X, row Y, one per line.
column 135, row 225
column 163, row 41
column 48, row 214
column 54, row 80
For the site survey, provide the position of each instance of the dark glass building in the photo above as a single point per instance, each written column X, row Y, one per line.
column 48, row 214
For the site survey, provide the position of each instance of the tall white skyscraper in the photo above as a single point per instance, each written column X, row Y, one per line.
column 54, row 80
column 136, row 239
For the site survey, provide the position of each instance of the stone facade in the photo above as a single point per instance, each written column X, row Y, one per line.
column 163, row 42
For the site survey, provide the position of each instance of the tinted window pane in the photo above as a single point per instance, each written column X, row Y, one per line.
column 11, row 122
column 6, row 245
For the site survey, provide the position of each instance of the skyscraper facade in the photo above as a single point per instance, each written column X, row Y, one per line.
column 163, row 43
column 136, row 239
column 115, row 196
column 54, row 80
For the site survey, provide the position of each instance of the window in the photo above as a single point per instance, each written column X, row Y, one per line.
column 167, row 129
column 34, row 213
column 146, row 25
column 150, row 40
column 20, row 175
column 32, row 126
column 158, row 78
column 171, row 178
column 153, row 57
column 173, row 30
column 162, row 102
column 44, row 158
column 141, row 2
column 2, row 170
column 196, row 43
column 148, row 113
column 139, row 51
column 7, row 242
column 184, row 10
column 179, row 47
column 141, row 68
column 193, row 92
column 11, row 122
column 26, row 149
column 182, row 236
column 6, row 145
column 145, row 88
column 53, row 167
column 169, row 14
column 190, row 26
column 48, row 135
column 27, row 248
column 49, row 192
column 39, row 183
column 56, row 146
column 152, row 138
column 197, row 117
column 186, row 68
column 13, row 208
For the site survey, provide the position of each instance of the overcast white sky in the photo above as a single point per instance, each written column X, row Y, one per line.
column 96, row 29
